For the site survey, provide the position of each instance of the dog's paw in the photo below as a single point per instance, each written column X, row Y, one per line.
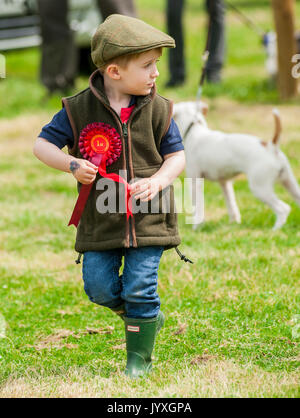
column 196, row 226
column 235, row 217
column 235, row 220
column 282, row 217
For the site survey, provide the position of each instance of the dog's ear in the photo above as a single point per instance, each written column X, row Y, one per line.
column 205, row 109
column 202, row 107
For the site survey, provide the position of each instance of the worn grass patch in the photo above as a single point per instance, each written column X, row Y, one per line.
column 204, row 376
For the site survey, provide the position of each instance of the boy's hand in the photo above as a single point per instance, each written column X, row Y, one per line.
column 146, row 189
column 83, row 170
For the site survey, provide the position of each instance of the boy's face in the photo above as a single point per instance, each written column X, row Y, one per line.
column 140, row 74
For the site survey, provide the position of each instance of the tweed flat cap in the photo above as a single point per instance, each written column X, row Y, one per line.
column 119, row 35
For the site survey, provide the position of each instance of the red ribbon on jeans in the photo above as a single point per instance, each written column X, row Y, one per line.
column 99, row 143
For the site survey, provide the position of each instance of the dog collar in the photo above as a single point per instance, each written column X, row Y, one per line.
column 189, row 128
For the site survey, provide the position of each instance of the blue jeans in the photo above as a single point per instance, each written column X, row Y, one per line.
column 136, row 287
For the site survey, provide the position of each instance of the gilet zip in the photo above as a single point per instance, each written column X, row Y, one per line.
column 124, row 130
column 125, row 135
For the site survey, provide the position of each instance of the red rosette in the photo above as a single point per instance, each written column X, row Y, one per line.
column 100, row 139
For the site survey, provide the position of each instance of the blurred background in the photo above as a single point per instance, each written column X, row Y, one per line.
column 249, row 68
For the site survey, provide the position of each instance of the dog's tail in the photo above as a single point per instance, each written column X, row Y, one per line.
column 278, row 127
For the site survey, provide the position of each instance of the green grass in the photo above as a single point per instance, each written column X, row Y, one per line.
column 232, row 317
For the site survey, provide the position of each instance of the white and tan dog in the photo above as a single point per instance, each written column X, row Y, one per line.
column 219, row 156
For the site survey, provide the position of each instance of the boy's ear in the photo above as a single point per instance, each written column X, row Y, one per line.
column 113, row 71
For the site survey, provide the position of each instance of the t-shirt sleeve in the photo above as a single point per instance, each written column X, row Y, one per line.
column 59, row 131
column 172, row 141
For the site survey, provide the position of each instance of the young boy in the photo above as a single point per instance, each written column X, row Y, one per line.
column 122, row 96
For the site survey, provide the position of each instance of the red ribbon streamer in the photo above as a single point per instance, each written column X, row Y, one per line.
column 85, row 191
column 119, row 179
column 86, row 188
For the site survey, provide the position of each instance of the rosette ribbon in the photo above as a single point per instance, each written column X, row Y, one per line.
column 99, row 143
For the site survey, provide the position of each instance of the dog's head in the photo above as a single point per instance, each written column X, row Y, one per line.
column 187, row 113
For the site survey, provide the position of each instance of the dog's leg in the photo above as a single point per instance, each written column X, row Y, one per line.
column 199, row 202
column 196, row 188
column 265, row 193
column 289, row 181
column 233, row 210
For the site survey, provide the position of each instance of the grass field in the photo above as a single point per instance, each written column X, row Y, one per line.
column 232, row 318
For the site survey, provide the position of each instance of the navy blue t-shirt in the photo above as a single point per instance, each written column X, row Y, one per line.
column 59, row 133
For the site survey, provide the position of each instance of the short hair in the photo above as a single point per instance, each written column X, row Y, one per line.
column 123, row 60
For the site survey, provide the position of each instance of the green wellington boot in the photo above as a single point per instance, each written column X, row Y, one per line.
column 140, row 338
